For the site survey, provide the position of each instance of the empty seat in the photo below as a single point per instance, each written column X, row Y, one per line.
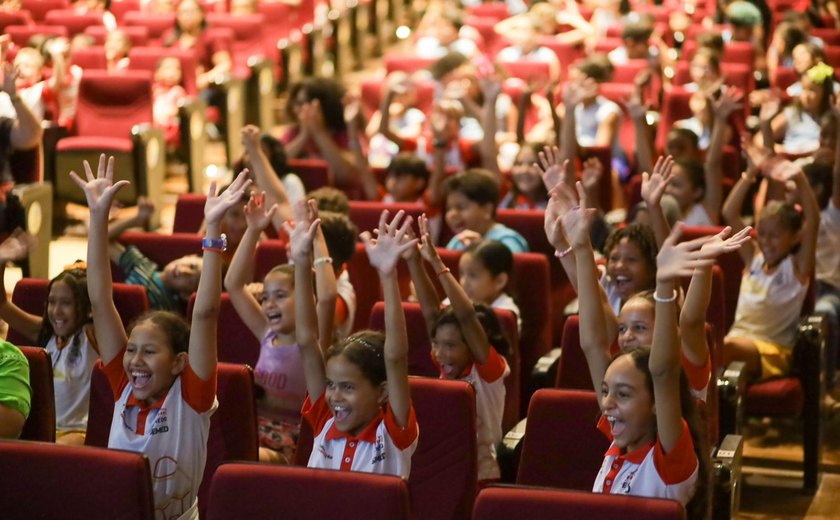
column 75, row 22
column 42, row 480
column 241, row 491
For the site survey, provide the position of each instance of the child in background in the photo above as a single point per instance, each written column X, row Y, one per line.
column 168, row 289
column 163, row 372
column 467, row 345
column 167, row 95
column 776, row 274
column 64, row 331
column 485, row 271
column 29, row 67
column 527, row 189
column 361, row 396
column 15, row 391
column 279, row 369
column 471, row 200
column 117, row 45
column 704, row 70
column 398, row 117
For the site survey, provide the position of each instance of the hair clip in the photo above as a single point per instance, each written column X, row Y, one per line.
column 819, row 73
column 78, row 264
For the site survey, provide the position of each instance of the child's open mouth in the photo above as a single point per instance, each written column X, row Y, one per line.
column 617, row 426
column 140, row 379
column 340, row 413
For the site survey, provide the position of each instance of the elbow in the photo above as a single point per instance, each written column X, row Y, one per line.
column 208, row 311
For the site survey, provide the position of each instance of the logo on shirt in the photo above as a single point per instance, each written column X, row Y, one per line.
column 324, row 453
column 378, row 450
column 625, row 485
column 159, row 425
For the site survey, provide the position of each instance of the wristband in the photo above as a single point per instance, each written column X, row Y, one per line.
column 562, row 254
column 444, row 270
column 672, row 299
column 218, row 245
column 322, row 260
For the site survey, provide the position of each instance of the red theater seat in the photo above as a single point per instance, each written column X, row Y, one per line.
column 38, row 9
column 75, row 23
column 138, row 36
column 40, row 425
column 161, row 248
column 22, row 34
column 156, row 23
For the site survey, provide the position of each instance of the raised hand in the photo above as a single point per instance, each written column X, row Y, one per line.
column 251, row 137
column 217, row 205
column 255, row 213
column 576, row 221
column 728, row 102
column 654, row 184
column 384, row 252
column 576, row 91
column 593, row 170
column 770, row 107
column 412, row 252
column 755, row 156
column 427, row 247
column 635, row 107
column 720, row 244
column 145, row 209
column 302, row 232
column 490, row 87
column 17, row 246
column 9, row 80
column 552, row 171
column 677, row 260
column 99, row 189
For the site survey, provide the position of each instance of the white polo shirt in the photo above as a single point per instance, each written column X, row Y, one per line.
column 382, row 447
column 649, row 471
column 72, row 369
column 172, row 433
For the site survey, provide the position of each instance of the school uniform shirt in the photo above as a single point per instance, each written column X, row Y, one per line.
column 505, row 301
column 499, row 232
column 697, row 216
column 698, row 377
column 382, row 447
column 72, row 369
column 648, row 471
column 828, row 246
column 172, row 433
column 347, row 294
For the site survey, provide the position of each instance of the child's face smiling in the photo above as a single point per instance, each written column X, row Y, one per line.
column 525, row 175
column 478, row 282
column 628, row 270
column 182, row 275
column 61, row 309
column 450, row 351
column 682, row 190
column 635, row 325
column 278, row 303
column 775, row 240
column 353, row 399
column 463, row 213
column 628, row 405
column 150, row 363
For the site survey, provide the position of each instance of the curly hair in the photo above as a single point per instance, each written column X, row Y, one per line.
column 76, row 280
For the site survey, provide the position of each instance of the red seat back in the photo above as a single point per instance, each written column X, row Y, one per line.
column 120, row 8
column 365, row 281
column 189, row 213
column 538, row 72
column 75, row 23
column 21, row 34
column 562, row 447
column 406, row 63
column 156, row 23
column 279, row 490
column 90, row 58
column 269, row 254
column 8, row 18
column 161, row 248
column 110, row 105
column 38, row 9
column 40, row 425
column 147, row 58
column 503, row 503
column 572, row 369
column 313, row 172
column 43, row 480
column 371, row 93
column 365, row 214
column 236, row 343
column 138, row 36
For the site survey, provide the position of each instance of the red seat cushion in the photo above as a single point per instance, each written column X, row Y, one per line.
column 775, row 397
column 84, row 144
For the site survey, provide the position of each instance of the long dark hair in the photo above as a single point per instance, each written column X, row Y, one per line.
column 76, row 280
column 489, row 322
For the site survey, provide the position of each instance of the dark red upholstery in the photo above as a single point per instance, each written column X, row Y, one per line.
column 313, row 172
column 566, row 53
column 785, row 77
column 269, row 254
column 365, row 281
column 365, row 214
column 110, row 105
column 76, row 23
column 138, row 36
column 38, row 9
column 497, row 10
column 236, row 343
column 775, row 397
column 504, row 503
column 738, row 52
column 40, row 425
column 189, row 213
column 156, row 23
column 162, row 248
column 41, row 480
column 674, row 107
column 562, row 447
column 247, row 39
column 8, row 18
column 572, row 369
column 147, row 58
column 531, row 71
column 30, row 294
column 491, row 42
column 21, row 34
column 90, row 58
column 121, row 8
column 420, row 352
column 371, row 92
column 241, row 491
column 406, row 63
column 233, row 427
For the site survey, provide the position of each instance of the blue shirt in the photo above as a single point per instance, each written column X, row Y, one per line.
column 507, row 236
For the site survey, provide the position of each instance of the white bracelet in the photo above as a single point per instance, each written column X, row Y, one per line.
column 563, row 253
column 672, row 299
column 322, row 260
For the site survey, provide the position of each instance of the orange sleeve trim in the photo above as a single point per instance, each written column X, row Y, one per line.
column 115, row 373
column 199, row 394
column 493, row 368
column 698, row 376
column 316, row 414
column 340, row 311
column 679, row 465
column 402, row 437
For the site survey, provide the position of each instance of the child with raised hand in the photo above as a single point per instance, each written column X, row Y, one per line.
column 271, row 319
column 163, row 372
column 64, row 330
column 467, row 344
column 658, row 443
column 361, row 397
column 777, row 272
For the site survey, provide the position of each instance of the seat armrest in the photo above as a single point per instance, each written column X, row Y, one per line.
column 234, row 109
column 808, row 364
column 37, row 202
column 259, row 94
column 544, row 373
column 192, row 121
column 732, row 385
column 726, row 466
column 150, row 157
column 509, row 451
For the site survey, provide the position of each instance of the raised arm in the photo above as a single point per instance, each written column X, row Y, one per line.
column 26, row 128
column 340, row 161
column 301, row 237
column 205, row 316
column 491, row 87
column 384, row 253
column 673, row 261
column 638, row 114
column 17, row 247
column 573, row 95
column 427, row 294
column 391, row 90
column 352, row 106
column 100, row 190
column 326, row 288
column 553, row 177
column 693, row 313
column 653, row 187
column 806, row 256
column 597, row 324
column 265, row 176
column 241, row 270
column 728, row 102
column 734, row 204
column 437, row 121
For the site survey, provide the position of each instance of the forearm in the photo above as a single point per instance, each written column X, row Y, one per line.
column 294, row 148
column 644, row 151
column 665, row 360
column 427, row 295
column 341, row 166
column 206, row 308
column 593, row 319
column 436, row 176
column 269, row 182
column 118, row 227
column 488, row 142
column 366, row 177
column 660, row 226
column 568, row 143
column 326, row 290
column 241, row 270
column 731, row 210
column 26, row 130
column 396, row 339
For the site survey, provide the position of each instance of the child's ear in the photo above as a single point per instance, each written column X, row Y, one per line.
column 382, row 398
column 500, row 281
column 180, row 363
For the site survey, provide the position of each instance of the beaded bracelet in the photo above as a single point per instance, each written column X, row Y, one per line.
column 443, row 271
column 563, row 253
column 672, row 299
column 322, row 260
